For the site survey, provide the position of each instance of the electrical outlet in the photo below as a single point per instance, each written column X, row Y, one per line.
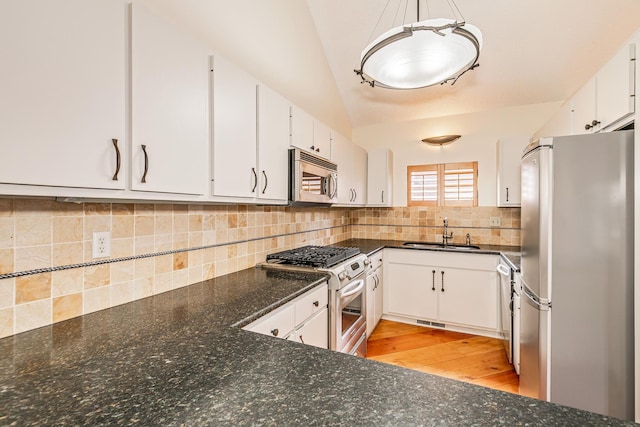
column 494, row 221
column 101, row 244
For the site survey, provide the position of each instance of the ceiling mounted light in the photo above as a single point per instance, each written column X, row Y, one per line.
column 441, row 140
column 422, row 54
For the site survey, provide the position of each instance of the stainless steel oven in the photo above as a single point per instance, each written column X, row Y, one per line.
column 346, row 268
column 312, row 179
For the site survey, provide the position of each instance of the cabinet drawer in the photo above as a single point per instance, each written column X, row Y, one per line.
column 278, row 323
column 376, row 260
column 315, row 331
column 310, row 303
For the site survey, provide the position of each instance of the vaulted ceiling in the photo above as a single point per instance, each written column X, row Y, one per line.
column 533, row 51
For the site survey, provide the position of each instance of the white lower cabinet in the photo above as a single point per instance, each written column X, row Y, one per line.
column 442, row 289
column 374, row 293
column 305, row 319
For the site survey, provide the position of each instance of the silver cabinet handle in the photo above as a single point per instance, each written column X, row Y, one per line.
column 115, row 146
column 355, row 195
column 507, row 194
column 433, row 280
column 301, row 340
column 442, row 272
column 382, row 196
column 146, row 164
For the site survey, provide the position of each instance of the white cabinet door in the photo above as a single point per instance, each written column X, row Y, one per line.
column 273, row 145
column 468, row 297
column 321, row 139
column 315, row 331
column 359, row 174
column 379, row 177
column 342, row 155
column 301, row 129
column 509, row 152
column 410, row 290
column 169, row 106
column 235, row 172
column 63, row 92
column 584, row 108
column 615, row 87
column 378, row 293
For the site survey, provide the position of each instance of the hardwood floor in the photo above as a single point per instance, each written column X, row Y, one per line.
column 464, row 357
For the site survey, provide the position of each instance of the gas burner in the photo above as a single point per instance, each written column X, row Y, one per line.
column 313, row 256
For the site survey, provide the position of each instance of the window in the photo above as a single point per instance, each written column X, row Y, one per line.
column 450, row 184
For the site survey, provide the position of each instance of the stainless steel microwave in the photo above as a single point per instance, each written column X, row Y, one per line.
column 312, row 179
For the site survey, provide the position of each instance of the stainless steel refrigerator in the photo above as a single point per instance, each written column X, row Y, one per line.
column 577, row 272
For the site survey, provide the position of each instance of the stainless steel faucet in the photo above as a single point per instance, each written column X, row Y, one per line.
column 445, row 237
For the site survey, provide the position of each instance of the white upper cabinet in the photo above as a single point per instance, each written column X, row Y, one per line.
column 584, row 108
column 309, row 134
column 615, row 88
column 379, row 177
column 321, row 139
column 509, row 152
column 169, row 106
column 560, row 124
column 301, row 129
column 235, row 171
column 62, row 82
column 273, row 145
column 352, row 170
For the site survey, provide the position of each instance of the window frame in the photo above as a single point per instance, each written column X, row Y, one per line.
column 441, row 169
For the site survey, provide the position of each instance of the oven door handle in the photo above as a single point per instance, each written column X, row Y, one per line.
column 352, row 288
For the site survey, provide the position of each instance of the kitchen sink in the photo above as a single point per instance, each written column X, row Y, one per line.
column 435, row 245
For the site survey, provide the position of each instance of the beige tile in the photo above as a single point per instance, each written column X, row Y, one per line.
column 96, row 224
column 121, row 247
column 32, row 207
column 96, row 276
column 33, row 231
column 180, row 260
column 164, row 224
column 180, row 278
column 163, row 264
column 67, row 209
column 122, row 271
column 66, row 307
column 7, row 238
column 144, row 245
column 180, row 241
column 121, row 226
column 162, row 283
column 121, row 293
column 209, row 222
column 144, row 267
column 66, row 282
column 195, row 223
column 144, row 225
column 68, row 253
column 163, row 242
column 33, row 288
column 96, row 299
column 195, row 239
column 97, row 208
column 6, row 261
column 163, row 209
column 195, row 274
column 144, row 209
column 6, row 207
column 67, row 229
column 32, row 315
column 143, row 288
column 180, row 223
column 6, row 322
column 122, row 209
column 7, row 287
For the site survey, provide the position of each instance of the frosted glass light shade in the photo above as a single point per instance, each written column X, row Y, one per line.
column 423, row 54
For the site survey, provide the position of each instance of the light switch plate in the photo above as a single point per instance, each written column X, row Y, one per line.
column 494, row 221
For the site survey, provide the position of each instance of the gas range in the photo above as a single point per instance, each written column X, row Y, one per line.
column 313, row 256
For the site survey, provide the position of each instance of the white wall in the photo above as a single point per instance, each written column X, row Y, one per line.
column 480, row 133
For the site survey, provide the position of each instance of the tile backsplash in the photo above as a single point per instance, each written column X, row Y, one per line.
column 159, row 247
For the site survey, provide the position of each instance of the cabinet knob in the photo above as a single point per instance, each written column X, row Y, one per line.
column 595, row 123
column 275, row 332
column 316, row 303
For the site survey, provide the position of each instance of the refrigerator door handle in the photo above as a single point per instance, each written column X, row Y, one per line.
column 534, row 301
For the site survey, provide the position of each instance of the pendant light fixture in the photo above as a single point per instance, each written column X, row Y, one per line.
column 422, row 54
column 441, row 140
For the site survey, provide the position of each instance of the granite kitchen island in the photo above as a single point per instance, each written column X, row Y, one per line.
column 177, row 359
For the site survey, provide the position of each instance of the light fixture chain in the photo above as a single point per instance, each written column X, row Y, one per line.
column 426, row 3
column 379, row 19
column 406, row 7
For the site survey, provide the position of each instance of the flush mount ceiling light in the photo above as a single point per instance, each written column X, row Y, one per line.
column 441, row 140
column 422, row 54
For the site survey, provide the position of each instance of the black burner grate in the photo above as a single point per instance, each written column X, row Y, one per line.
column 314, row 256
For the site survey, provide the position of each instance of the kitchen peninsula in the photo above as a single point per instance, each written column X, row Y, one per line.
column 177, row 359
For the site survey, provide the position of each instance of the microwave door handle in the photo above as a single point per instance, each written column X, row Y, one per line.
column 334, row 179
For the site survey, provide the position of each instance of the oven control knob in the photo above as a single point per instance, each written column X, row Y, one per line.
column 342, row 275
column 367, row 261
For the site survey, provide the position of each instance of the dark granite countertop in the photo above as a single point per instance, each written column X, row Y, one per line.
column 174, row 359
column 369, row 246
